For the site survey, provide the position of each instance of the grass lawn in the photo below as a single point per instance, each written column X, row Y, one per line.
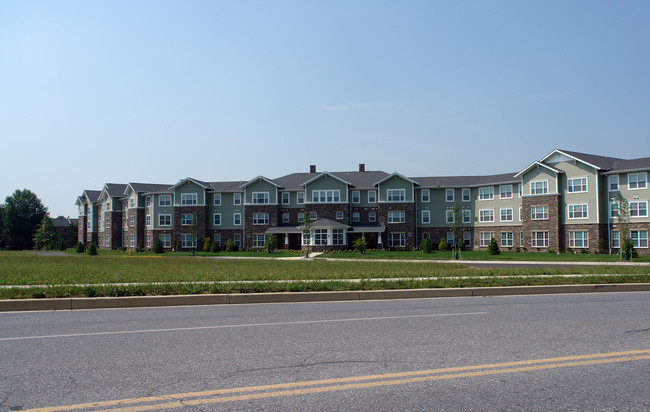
column 163, row 274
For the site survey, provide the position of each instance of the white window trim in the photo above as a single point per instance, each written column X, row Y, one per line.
column 512, row 217
column 645, row 202
column 266, row 198
column 192, row 196
column 645, row 177
column 490, row 193
column 586, row 185
column 585, row 211
column 447, row 192
column 423, row 198
column 165, row 214
column 236, row 199
column 449, row 216
column 425, row 217
column 390, row 195
column 468, row 215
column 213, row 219
column 637, row 243
column 501, row 194
column 481, row 215
column 286, row 198
column 160, row 199
column 469, row 195
column 610, row 180
column 235, row 217
column 538, row 218
column 532, row 184
column 357, row 194
column 217, row 199
column 374, row 198
column 585, row 239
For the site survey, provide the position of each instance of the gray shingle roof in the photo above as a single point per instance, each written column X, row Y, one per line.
column 227, row 186
column 115, row 189
column 150, row 187
column 632, row 164
column 603, row 162
column 92, row 195
column 465, row 181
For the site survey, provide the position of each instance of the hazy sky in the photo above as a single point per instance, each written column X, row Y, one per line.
column 155, row 91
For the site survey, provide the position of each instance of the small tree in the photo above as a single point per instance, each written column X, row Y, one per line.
column 80, row 248
column 457, row 228
column 45, row 236
column 215, row 247
column 230, row 246
column 158, row 247
column 493, row 247
column 92, row 249
column 193, row 230
column 426, row 246
column 270, row 243
column 624, row 225
column 443, row 244
column 207, row 244
column 360, row 245
column 306, row 229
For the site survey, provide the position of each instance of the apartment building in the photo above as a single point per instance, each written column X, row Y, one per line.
column 564, row 200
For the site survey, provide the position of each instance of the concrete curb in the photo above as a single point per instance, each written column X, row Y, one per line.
column 245, row 298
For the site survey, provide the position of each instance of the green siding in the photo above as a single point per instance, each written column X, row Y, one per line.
column 396, row 182
column 261, row 186
column 327, row 182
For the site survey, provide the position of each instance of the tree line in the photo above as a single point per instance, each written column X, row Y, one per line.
column 25, row 224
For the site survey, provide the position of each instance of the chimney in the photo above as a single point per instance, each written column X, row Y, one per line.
column 312, row 169
column 362, row 167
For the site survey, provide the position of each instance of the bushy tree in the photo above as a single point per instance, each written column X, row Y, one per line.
column 215, row 247
column 493, row 247
column 443, row 244
column 230, row 246
column 307, row 229
column 80, row 248
column 270, row 243
column 207, row 244
column 426, row 246
column 158, row 247
column 360, row 245
column 22, row 215
column 92, row 249
column 45, row 236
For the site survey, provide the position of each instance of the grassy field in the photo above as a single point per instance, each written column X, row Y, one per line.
column 44, row 275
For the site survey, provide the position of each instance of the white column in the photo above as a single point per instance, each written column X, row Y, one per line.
column 286, row 238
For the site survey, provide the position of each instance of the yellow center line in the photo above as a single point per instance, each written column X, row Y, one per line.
column 338, row 384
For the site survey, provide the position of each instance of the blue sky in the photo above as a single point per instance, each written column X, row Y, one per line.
column 155, row 91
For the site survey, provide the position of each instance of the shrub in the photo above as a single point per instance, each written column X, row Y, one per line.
column 493, row 247
column 158, row 247
column 461, row 245
column 270, row 243
column 207, row 245
column 61, row 246
column 215, row 247
column 360, row 245
column 92, row 249
column 443, row 244
column 230, row 246
column 584, row 251
column 80, row 248
column 426, row 246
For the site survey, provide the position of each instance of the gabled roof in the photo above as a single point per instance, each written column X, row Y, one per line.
column 329, row 223
column 92, row 195
column 148, row 187
column 466, row 181
column 195, row 181
column 395, row 174
column 257, row 179
column 113, row 189
column 227, row 186
column 64, row 221
column 536, row 163
column 318, row 176
column 595, row 161
column 631, row 165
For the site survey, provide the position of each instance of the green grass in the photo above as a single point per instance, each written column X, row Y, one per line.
column 62, row 275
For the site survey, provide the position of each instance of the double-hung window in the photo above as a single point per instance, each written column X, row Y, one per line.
column 186, row 219
column 449, row 195
column 337, row 237
column 216, row 219
column 425, row 195
column 258, row 240
column 426, row 217
column 613, row 210
column 164, row 220
column 189, row 199
column 236, row 199
column 637, row 180
column 639, row 209
column 486, row 193
column 300, row 198
column 486, row 215
column 449, row 216
column 539, row 187
column 539, row 212
column 576, row 185
column 396, row 217
column 217, row 199
column 639, row 238
column 613, row 183
column 285, row 218
column 372, row 196
column 580, row 211
column 236, row 219
column 466, row 195
column 539, row 239
column 579, row 239
column 260, row 198
column 505, row 192
column 506, row 215
column 286, row 198
column 396, row 239
column 165, row 200
column 325, row 196
column 467, row 215
column 615, row 239
column 506, row 239
column 356, row 196
column 372, row 216
column 395, row 195
column 486, row 237
column 166, row 240
column 260, row 218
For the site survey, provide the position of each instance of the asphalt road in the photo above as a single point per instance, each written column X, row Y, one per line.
column 554, row 352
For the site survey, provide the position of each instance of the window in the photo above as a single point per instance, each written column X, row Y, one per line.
column 165, row 200
column 372, row 216
column 613, row 183
column 236, row 219
column 356, row 196
column 236, row 199
column 639, row 209
column 615, row 240
column 539, row 212
column 186, row 219
column 578, row 211
column 325, row 196
column 467, row 216
column 506, row 239
column 466, row 195
column 395, row 195
column 107, row 205
column 539, row 187
column 164, row 220
column 639, row 238
column 216, row 219
column 449, row 195
column 337, row 237
column 189, row 199
column 320, row 237
column 486, row 193
column 486, row 238
column 286, row 198
column 108, row 223
column 425, row 195
column 166, row 240
column 396, row 240
column 486, row 215
column 355, row 217
column 301, row 217
column 260, row 218
column 188, row 240
column 148, row 244
column 450, row 239
column 505, row 192
column 396, row 217
column 260, row 198
column 147, row 220
column 613, row 210
column 285, row 218
column 217, row 239
column 467, row 239
column 132, row 221
column 339, row 215
column 637, row 181
column 521, row 239
column 579, row 239
column 576, row 185
column 132, row 202
column 521, row 214
column 372, row 196
column 506, row 215
column 237, row 240
column 301, row 198
column 539, row 239
column 313, row 216
column 258, row 240
column 426, row 217
column 217, row 199
column 147, row 201
column 519, row 188
column 132, row 241
column 449, row 216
